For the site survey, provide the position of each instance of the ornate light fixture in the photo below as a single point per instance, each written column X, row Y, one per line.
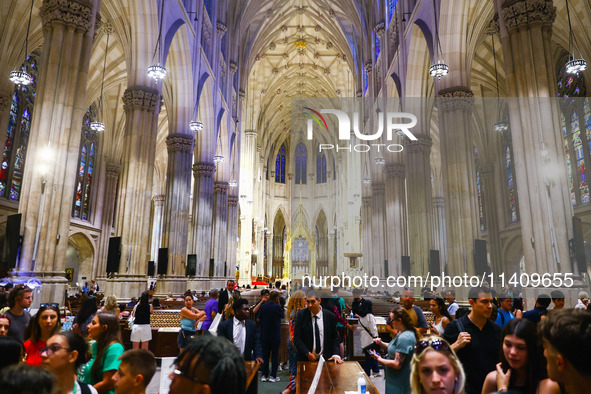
column 219, row 156
column 156, row 71
column 366, row 180
column 22, row 77
column 380, row 161
column 195, row 125
column 573, row 66
column 97, row 125
column 440, row 68
column 499, row 126
column 233, row 183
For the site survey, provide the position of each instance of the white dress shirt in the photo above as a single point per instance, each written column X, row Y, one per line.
column 315, row 346
column 239, row 334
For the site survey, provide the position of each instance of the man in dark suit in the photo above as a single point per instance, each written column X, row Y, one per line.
column 225, row 295
column 315, row 332
column 242, row 332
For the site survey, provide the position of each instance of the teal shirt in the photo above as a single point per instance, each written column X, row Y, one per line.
column 398, row 380
column 188, row 324
column 109, row 362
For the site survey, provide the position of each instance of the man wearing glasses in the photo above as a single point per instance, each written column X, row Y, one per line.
column 19, row 299
column 315, row 332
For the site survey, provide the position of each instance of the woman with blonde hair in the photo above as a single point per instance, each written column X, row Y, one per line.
column 296, row 302
column 111, row 306
column 400, row 350
column 228, row 311
column 435, row 367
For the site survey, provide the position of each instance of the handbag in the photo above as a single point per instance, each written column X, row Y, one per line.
column 131, row 319
column 213, row 329
column 373, row 345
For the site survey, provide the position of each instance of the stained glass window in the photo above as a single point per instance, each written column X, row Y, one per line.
column 510, row 178
column 391, row 8
column 479, row 191
column 378, row 46
column 209, row 7
column 576, row 134
column 267, row 171
column 301, row 163
column 334, row 171
column 14, row 153
column 86, row 168
column 280, row 165
column 365, row 81
column 321, row 168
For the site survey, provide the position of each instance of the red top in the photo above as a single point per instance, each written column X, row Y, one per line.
column 32, row 350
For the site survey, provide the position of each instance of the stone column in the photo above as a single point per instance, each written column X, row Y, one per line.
column 232, row 243
column 68, row 29
column 269, row 236
column 378, row 228
column 176, row 208
column 141, row 105
column 487, row 172
column 366, row 217
column 438, row 234
column 202, row 215
column 246, row 245
column 396, row 241
column 538, row 154
column 109, row 197
column 418, row 183
column 157, row 225
column 459, row 177
column 220, row 227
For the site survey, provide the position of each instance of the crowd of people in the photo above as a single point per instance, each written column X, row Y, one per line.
column 493, row 346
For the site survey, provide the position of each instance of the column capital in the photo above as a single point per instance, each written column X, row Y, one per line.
column 220, row 187
column 486, row 170
column 77, row 13
column 4, row 103
column 107, row 28
column 113, row 170
column 380, row 28
column 202, row 169
column 395, row 170
column 422, row 144
column 233, row 67
column 242, row 94
column 457, row 97
column 159, row 200
column 378, row 188
column 251, row 133
column 368, row 66
column 141, row 98
column 438, row 202
column 221, row 29
column 366, row 202
column 233, row 201
column 519, row 14
column 179, row 143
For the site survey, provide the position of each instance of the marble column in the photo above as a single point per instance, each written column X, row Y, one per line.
column 109, row 198
column 378, row 228
column 438, row 234
column 459, row 177
column 141, row 105
column 176, row 207
column 202, row 215
column 418, row 183
column 220, row 228
column 538, row 153
column 396, row 242
column 232, row 243
column 489, row 194
column 68, row 29
column 269, row 269
column 367, row 247
column 157, row 225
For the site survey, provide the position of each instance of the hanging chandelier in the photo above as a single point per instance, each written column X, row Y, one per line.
column 500, row 126
column 440, row 68
column 156, row 71
column 22, row 77
column 573, row 65
column 97, row 125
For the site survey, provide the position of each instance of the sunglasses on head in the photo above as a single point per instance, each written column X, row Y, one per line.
column 50, row 305
column 435, row 344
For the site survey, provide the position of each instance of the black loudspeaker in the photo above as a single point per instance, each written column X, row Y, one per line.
column 385, row 269
column 114, row 254
column 579, row 244
column 480, row 257
column 162, row 261
column 191, row 269
column 211, row 265
column 13, row 238
column 151, row 268
column 434, row 266
column 405, row 260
